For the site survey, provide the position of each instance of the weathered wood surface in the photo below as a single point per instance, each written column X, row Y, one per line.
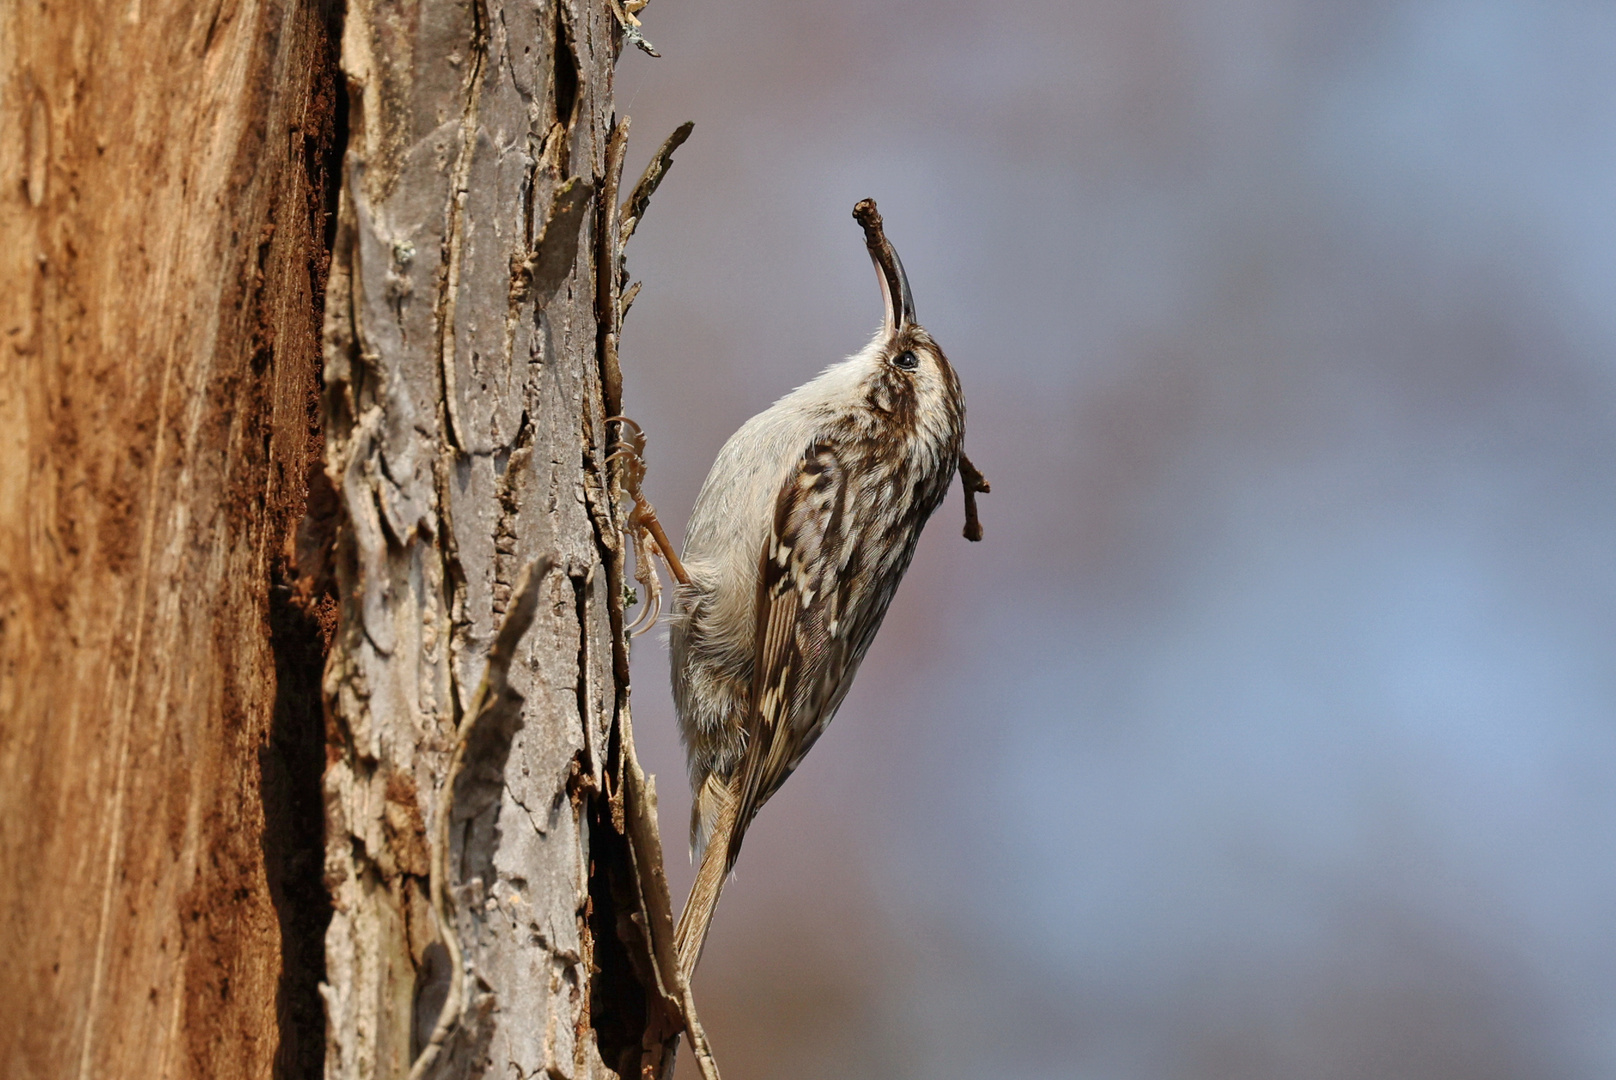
column 162, row 256
column 470, row 370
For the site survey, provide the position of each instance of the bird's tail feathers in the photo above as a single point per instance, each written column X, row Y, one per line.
column 712, row 822
column 705, row 809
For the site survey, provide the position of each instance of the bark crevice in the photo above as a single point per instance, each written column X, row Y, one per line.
column 291, row 764
column 492, row 886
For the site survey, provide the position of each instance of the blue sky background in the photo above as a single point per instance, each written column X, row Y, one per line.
column 1271, row 732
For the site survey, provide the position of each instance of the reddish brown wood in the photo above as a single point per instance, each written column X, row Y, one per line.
column 163, row 203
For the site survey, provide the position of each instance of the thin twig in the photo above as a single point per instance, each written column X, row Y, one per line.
column 634, row 209
column 900, row 304
column 973, row 481
column 609, row 262
column 628, row 300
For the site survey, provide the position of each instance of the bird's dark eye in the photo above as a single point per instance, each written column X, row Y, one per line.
column 906, row 360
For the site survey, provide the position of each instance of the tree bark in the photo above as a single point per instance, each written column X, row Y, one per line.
column 163, row 209
column 260, row 779
column 496, row 879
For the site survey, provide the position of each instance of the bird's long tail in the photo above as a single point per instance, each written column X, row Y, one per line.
column 697, row 916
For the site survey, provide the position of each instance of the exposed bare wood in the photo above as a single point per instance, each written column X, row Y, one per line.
column 236, row 610
column 162, row 239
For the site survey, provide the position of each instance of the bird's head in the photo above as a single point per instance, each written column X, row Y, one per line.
column 905, row 374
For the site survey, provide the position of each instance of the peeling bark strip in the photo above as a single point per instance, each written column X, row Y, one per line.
column 496, row 878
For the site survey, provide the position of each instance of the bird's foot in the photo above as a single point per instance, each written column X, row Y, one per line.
column 643, row 527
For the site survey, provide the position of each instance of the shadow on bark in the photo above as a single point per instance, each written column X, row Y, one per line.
column 291, row 765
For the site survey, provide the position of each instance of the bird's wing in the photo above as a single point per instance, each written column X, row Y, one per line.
column 803, row 644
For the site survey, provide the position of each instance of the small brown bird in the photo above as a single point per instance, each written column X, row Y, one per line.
column 797, row 542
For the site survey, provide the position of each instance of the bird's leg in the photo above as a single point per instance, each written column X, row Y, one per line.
column 644, row 529
column 629, row 452
column 632, row 449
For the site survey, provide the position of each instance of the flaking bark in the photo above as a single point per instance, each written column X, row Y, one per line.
column 471, row 363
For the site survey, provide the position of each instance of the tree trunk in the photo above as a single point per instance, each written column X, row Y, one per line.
column 172, row 760
column 471, row 330
column 162, row 238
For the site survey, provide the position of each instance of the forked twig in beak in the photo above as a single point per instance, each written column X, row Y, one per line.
column 900, row 302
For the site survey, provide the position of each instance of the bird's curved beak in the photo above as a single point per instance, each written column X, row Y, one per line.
column 895, row 294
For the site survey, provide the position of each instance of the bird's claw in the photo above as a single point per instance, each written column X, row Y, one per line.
column 644, row 530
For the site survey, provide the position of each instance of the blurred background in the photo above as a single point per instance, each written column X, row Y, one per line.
column 1271, row 732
